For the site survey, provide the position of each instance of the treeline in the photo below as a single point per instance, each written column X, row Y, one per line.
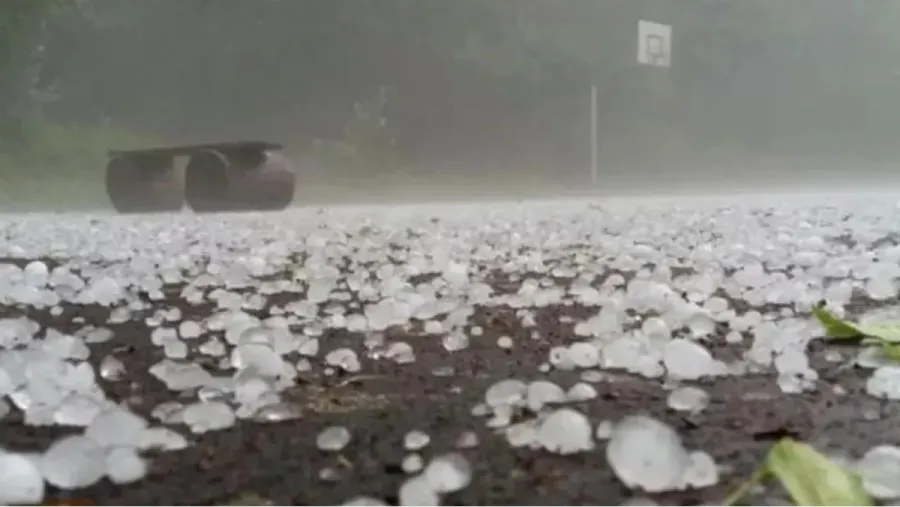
column 500, row 80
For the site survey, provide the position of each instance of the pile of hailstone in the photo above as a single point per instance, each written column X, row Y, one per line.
column 670, row 276
column 644, row 453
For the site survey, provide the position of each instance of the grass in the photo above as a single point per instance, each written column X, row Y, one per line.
column 61, row 167
column 413, row 187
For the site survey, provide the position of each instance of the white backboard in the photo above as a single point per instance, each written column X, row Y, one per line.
column 654, row 44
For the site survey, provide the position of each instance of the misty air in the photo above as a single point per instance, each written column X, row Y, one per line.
column 461, row 252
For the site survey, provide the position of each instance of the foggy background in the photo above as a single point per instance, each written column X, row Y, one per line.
column 399, row 98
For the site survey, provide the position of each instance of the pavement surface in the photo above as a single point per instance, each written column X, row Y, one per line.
column 441, row 390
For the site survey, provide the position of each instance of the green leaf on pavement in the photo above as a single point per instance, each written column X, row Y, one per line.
column 892, row 350
column 810, row 478
column 888, row 332
column 835, row 327
column 884, row 332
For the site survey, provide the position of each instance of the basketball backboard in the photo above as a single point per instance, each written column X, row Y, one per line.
column 654, row 44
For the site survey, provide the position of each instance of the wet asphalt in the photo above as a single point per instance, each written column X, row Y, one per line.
column 279, row 463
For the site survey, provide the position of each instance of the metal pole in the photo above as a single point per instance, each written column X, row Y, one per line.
column 594, row 135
